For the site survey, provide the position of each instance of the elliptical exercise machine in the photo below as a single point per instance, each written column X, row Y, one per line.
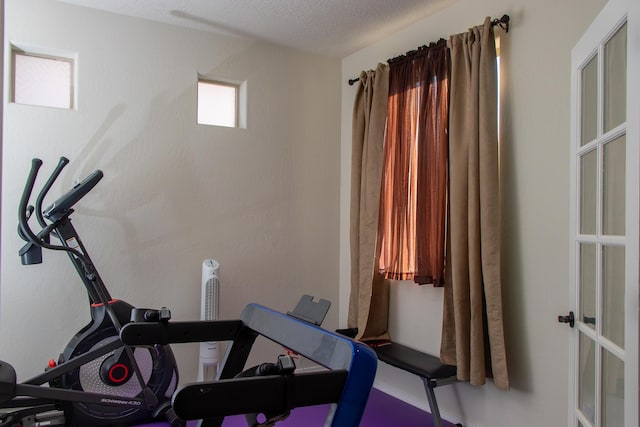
column 97, row 379
column 119, row 369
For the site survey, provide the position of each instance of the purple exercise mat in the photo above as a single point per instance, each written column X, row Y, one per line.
column 382, row 410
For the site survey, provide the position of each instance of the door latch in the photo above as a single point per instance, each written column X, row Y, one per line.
column 570, row 319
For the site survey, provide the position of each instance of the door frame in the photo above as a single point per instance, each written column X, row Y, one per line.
column 613, row 13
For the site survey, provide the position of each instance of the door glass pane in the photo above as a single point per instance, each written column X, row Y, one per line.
column 613, row 294
column 588, row 284
column 612, row 390
column 613, row 187
column 615, row 79
column 589, row 105
column 588, row 192
column 587, row 377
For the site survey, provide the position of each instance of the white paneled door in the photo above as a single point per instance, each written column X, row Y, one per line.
column 605, row 98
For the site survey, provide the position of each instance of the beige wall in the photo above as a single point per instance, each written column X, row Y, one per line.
column 263, row 201
column 536, row 57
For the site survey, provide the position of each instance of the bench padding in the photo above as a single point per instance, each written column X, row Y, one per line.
column 418, row 363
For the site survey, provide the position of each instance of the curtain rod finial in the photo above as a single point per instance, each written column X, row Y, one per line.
column 502, row 22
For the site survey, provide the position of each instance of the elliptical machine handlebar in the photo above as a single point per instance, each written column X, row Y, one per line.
column 24, row 209
column 62, row 207
column 47, row 186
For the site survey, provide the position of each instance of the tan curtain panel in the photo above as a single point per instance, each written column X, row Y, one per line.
column 472, row 334
column 413, row 203
column 369, row 298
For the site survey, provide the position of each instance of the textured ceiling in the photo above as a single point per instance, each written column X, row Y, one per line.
column 327, row 27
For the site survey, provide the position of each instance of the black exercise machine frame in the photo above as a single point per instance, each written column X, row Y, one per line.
column 346, row 382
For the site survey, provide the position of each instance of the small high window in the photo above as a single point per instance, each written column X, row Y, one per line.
column 40, row 79
column 219, row 103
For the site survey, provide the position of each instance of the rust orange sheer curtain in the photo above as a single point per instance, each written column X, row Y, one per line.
column 413, row 201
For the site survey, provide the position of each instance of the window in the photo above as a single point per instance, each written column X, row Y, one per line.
column 413, row 200
column 41, row 79
column 219, row 103
column 415, row 197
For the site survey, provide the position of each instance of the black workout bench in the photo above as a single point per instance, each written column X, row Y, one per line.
column 430, row 369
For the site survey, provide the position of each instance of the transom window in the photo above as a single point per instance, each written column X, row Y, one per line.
column 41, row 79
column 218, row 103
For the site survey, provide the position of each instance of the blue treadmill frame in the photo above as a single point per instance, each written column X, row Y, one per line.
column 327, row 349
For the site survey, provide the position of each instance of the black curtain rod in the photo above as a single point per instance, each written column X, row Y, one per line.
column 501, row 22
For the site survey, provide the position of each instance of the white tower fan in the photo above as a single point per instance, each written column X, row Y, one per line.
column 209, row 305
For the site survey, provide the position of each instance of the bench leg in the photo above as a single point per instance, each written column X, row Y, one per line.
column 433, row 404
